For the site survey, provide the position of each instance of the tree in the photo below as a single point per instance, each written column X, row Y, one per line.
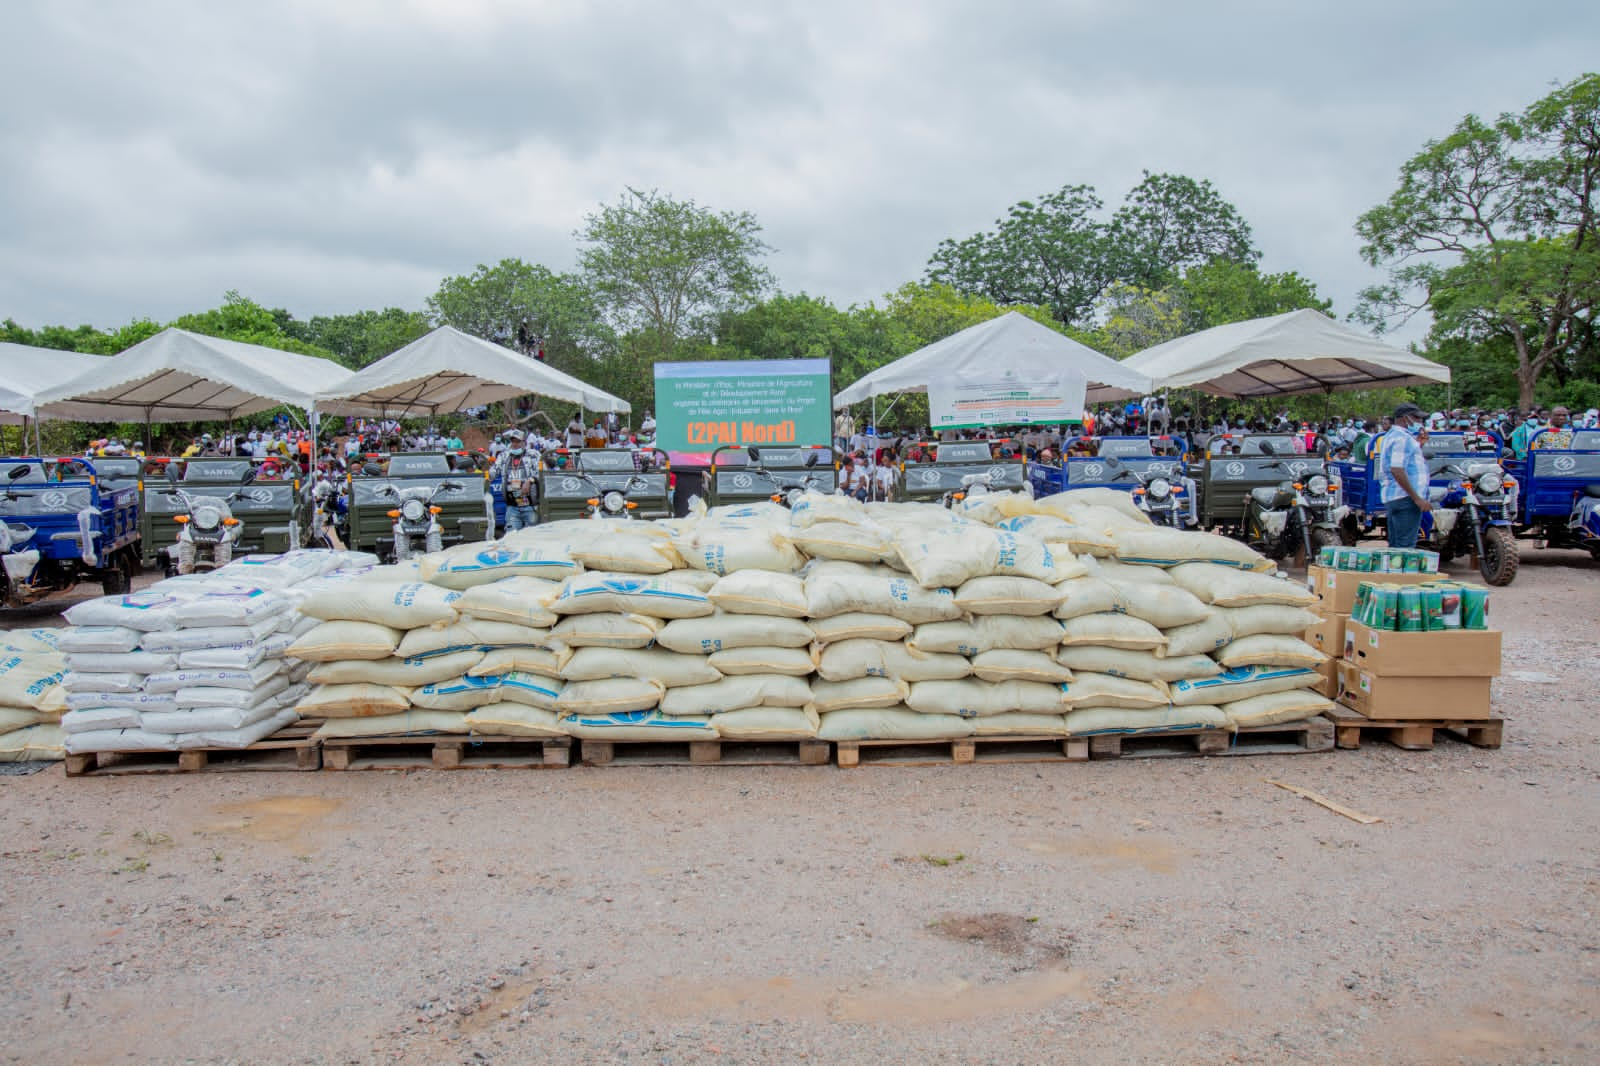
column 1493, row 230
column 1060, row 254
column 362, row 338
column 242, row 319
column 529, row 308
column 668, row 267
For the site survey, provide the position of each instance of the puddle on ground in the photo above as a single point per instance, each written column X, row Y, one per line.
column 276, row 819
column 1152, row 855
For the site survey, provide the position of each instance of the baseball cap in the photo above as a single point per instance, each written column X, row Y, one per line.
column 1408, row 410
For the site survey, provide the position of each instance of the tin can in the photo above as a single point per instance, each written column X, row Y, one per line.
column 1326, row 555
column 1388, row 607
column 1474, row 607
column 1413, row 562
column 1432, row 608
column 1364, row 561
column 1410, row 617
column 1450, row 605
column 1430, row 562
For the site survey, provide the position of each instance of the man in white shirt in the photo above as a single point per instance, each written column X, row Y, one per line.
column 883, row 481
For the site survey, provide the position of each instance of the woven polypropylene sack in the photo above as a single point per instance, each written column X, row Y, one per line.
column 605, row 631
column 1269, row 619
column 407, row 605
column 760, row 592
column 353, row 701
column 523, row 601
column 508, row 719
column 342, row 640
column 766, row 723
column 403, row 673
column 1007, row 664
column 654, row 596
column 1089, row 721
column 1106, row 690
column 975, row 699
column 1270, row 650
column 1223, row 587
column 1242, row 683
column 667, row 667
column 737, row 693
column 1275, row 708
column 987, row 633
column 849, row 659
column 892, row 724
column 1112, row 631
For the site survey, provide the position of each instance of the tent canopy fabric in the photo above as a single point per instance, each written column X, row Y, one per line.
column 449, row 370
column 178, row 376
column 1013, row 342
column 26, row 370
column 1290, row 354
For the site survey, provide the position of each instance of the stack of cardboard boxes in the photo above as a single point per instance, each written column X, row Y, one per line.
column 1389, row 675
column 1336, row 595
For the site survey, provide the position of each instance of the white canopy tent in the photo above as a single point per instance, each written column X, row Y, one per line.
column 449, row 370
column 1011, row 345
column 1295, row 353
column 27, row 370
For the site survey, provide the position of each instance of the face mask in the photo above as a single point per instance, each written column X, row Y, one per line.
column 516, row 451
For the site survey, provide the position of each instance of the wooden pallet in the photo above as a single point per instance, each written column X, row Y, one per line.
column 1414, row 734
column 1289, row 738
column 446, row 751
column 292, row 748
column 705, row 753
column 962, row 750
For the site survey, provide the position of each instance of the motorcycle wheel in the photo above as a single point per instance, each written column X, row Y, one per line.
column 1499, row 561
column 1323, row 538
column 117, row 580
column 1350, row 531
column 1594, row 550
column 402, row 549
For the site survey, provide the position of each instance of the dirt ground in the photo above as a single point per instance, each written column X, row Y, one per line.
column 1141, row 911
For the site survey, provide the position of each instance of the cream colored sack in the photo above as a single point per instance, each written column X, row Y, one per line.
column 1163, row 606
column 514, row 720
column 1060, row 532
column 457, row 694
column 618, row 552
column 1088, row 721
column 1088, row 595
column 353, row 701
column 1122, row 574
column 1138, row 665
column 403, row 605
column 523, row 601
column 814, row 508
column 854, row 625
column 987, row 633
column 760, row 592
column 766, row 723
column 1169, row 547
column 1007, row 596
column 1199, row 638
column 530, row 689
column 737, row 693
column 474, row 565
column 1224, row 587
column 1243, row 683
column 34, row 743
column 541, row 661
column 667, row 667
column 411, row 722
column 851, row 659
column 338, row 641
column 1276, row 708
column 948, row 557
column 840, row 588
column 1264, row 650
column 1269, row 619
column 470, row 635
column 721, row 631
column 605, row 631
column 1112, row 631
column 830, row 696
column 1016, row 724
column 638, row 725
column 1104, row 690
column 892, row 724
column 613, row 696
column 864, row 542
column 795, row 662
column 1005, row 664
column 601, row 592
column 403, row 673
column 977, row 699
column 726, row 548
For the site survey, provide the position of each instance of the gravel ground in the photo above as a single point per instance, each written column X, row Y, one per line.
column 1142, row 911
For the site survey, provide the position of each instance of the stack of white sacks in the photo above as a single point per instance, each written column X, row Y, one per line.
column 32, row 698
column 1069, row 615
column 192, row 662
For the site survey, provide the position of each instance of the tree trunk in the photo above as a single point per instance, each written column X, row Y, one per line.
column 1525, row 382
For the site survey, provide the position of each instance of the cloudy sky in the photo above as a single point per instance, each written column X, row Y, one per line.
column 335, row 155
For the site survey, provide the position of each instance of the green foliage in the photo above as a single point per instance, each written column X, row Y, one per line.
column 360, row 339
column 527, row 307
column 671, row 267
column 1493, row 231
column 1059, row 253
column 242, row 319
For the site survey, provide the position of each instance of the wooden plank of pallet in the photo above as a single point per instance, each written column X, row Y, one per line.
column 1288, row 738
column 960, row 751
column 1414, row 734
column 446, row 752
column 292, row 748
column 704, row 753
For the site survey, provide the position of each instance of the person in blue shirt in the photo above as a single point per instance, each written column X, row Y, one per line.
column 1404, row 475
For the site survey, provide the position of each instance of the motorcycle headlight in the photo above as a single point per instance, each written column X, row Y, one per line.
column 413, row 510
column 1317, row 485
column 207, row 517
column 613, row 501
column 1159, row 488
column 1489, row 484
column 793, row 496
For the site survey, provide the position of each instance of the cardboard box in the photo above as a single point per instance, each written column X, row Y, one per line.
column 1329, row 685
column 1412, row 698
column 1327, row 636
column 1336, row 589
column 1450, row 653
